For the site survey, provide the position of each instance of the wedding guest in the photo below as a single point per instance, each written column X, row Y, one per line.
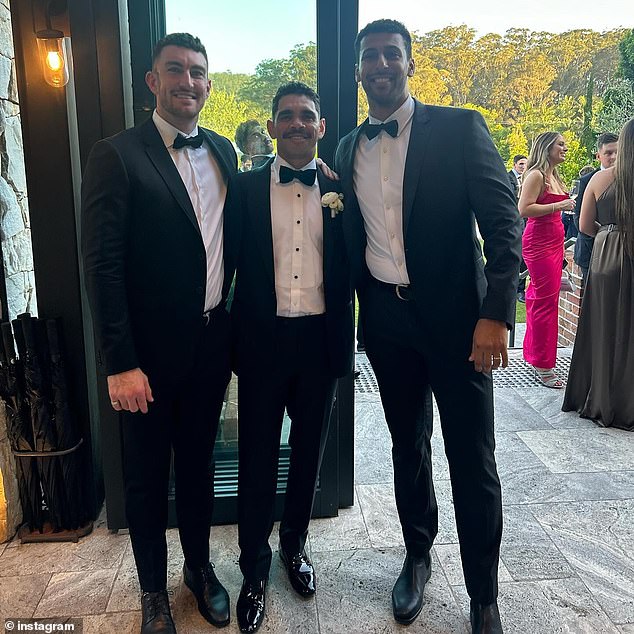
column 542, row 200
column 602, row 368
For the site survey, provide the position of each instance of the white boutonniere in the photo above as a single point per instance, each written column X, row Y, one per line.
column 334, row 201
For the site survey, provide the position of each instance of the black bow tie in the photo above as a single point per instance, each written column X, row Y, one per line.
column 183, row 141
column 391, row 127
column 305, row 176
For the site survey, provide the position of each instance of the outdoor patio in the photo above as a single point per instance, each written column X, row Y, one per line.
column 567, row 562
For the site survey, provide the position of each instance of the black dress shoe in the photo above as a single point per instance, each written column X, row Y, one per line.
column 301, row 573
column 250, row 606
column 485, row 619
column 213, row 600
column 407, row 595
column 156, row 617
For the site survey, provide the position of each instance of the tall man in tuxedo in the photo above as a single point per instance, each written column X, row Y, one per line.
column 434, row 313
column 519, row 166
column 607, row 145
column 293, row 333
column 153, row 253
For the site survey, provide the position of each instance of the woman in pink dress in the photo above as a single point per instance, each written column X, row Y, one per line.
column 542, row 200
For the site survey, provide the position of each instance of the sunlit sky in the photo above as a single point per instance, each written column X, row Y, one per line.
column 240, row 34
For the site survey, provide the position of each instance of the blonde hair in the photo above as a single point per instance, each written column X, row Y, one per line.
column 538, row 156
column 624, row 186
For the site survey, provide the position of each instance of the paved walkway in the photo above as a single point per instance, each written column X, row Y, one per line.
column 567, row 554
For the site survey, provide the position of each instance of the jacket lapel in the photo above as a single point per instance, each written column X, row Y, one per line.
column 160, row 157
column 223, row 162
column 414, row 162
column 325, row 186
column 259, row 213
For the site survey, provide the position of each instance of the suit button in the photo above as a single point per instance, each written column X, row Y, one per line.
column 201, row 257
column 200, row 290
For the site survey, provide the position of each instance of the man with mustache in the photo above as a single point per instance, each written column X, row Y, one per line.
column 153, row 249
column 293, row 332
column 435, row 315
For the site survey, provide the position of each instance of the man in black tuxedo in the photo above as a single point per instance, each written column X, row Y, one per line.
column 293, row 334
column 607, row 145
column 153, row 251
column 434, row 313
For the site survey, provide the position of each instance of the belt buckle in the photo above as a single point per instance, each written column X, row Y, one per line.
column 398, row 292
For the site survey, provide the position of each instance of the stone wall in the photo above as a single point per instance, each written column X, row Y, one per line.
column 15, row 235
column 570, row 305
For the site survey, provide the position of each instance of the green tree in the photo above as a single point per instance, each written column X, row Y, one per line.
column 617, row 107
column 228, row 81
column 223, row 112
column 626, row 48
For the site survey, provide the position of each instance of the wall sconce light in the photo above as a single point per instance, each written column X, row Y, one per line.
column 54, row 49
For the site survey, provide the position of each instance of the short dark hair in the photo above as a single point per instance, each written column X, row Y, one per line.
column 518, row 157
column 184, row 40
column 384, row 26
column 606, row 137
column 243, row 131
column 294, row 88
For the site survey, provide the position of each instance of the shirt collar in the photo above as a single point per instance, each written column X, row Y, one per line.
column 167, row 131
column 279, row 161
column 403, row 115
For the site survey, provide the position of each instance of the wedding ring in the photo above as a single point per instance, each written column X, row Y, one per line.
column 114, row 402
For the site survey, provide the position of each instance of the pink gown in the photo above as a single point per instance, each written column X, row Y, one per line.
column 543, row 252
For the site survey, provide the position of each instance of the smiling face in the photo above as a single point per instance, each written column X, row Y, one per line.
column 297, row 128
column 180, row 84
column 557, row 151
column 383, row 69
column 258, row 141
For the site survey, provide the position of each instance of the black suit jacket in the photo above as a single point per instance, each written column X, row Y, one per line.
column 254, row 306
column 442, row 198
column 514, row 184
column 144, row 257
column 584, row 243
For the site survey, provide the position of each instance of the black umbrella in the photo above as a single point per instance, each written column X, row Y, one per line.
column 41, row 416
column 67, row 436
column 19, row 430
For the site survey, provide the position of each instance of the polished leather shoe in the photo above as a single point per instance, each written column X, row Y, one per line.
column 485, row 619
column 250, row 606
column 407, row 595
column 213, row 600
column 156, row 617
column 300, row 572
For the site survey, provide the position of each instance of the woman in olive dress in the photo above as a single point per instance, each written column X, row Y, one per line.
column 601, row 379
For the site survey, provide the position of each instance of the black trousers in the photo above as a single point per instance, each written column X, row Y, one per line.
column 184, row 418
column 297, row 379
column 408, row 362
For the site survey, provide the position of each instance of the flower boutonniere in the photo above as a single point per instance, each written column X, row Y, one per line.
column 334, row 201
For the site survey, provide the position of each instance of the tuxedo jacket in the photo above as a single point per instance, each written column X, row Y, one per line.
column 443, row 195
column 584, row 243
column 513, row 182
column 144, row 258
column 254, row 305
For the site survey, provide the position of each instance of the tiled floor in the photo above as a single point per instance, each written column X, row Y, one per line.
column 567, row 554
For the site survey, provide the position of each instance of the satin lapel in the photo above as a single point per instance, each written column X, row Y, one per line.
column 353, row 219
column 326, row 186
column 160, row 157
column 416, row 155
column 259, row 213
column 225, row 167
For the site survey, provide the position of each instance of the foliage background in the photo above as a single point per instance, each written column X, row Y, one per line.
column 579, row 83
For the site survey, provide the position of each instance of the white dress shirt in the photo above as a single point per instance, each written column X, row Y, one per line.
column 298, row 244
column 379, row 167
column 207, row 190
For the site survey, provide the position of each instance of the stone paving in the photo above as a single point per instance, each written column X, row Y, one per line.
column 567, row 560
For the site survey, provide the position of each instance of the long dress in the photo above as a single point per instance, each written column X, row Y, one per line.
column 601, row 378
column 543, row 252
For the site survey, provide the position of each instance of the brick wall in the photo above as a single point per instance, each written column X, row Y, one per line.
column 569, row 306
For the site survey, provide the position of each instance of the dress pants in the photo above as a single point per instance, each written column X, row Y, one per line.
column 298, row 379
column 184, row 417
column 408, row 361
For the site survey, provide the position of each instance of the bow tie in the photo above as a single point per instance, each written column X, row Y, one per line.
column 192, row 141
column 305, row 176
column 391, row 127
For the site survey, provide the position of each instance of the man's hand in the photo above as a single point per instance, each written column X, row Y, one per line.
column 489, row 345
column 327, row 172
column 130, row 391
